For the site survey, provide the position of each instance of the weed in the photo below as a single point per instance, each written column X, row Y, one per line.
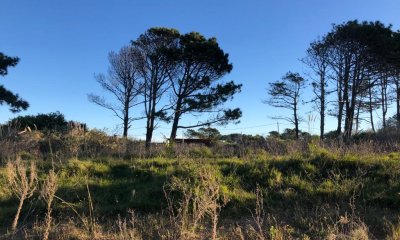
column 22, row 185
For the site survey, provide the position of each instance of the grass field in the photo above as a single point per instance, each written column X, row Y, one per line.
column 313, row 195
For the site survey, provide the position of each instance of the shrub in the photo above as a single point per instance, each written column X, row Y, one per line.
column 51, row 121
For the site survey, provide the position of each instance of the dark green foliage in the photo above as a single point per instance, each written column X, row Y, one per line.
column 394, row 58
column 290, row 134
column 7, row 97
column 274, row 134
column 332, row 135
column 6, row 62
column 204, row 133
column 154, row 66
column 239, row 141
column 374, row 38
column 196, row 81
column 361, row 59
column 50, row 121
column 13, row 100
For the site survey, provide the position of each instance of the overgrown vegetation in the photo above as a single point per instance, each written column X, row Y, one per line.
column 277, row 189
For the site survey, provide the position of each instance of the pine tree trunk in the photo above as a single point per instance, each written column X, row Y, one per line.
column 149, row 132
column 384, row 100
column 371, row 110
column 340, row 108
column 175, row 123
column 126, row 118
column 322, row 113
column 296, row 121
column 398, row 101
column 125, row 133
column 150, row 119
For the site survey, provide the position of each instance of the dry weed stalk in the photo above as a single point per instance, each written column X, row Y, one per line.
column 48, row 192
column 92, row 221
column 394, row 231
column 238, row 233
column 22, row 185
column 89, row 222
column 259, row 214
column 211, row 200
column 350, row 226
column 201, row 198
column 127, row 229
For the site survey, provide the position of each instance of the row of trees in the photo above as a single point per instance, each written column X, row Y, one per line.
column 355, row 70
column 169, row 75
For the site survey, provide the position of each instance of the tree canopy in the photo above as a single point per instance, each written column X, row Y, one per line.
column 154, row 65
column 6, row 96
column 196, row 82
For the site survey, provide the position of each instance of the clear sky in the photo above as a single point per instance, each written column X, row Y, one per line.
column 62, row 44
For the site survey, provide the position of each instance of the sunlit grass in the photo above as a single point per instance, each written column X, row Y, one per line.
column 290, row 183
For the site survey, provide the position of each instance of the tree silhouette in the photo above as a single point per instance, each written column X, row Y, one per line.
column 317, row 60
column 7, row 97
column 286, row 94
column 154, row 67
column 358, row 57
column 123, row 83
column 196, row 87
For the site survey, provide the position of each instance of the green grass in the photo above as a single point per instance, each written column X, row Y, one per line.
column 301, row 184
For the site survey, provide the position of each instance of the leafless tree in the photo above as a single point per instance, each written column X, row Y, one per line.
column 317, row 60
column 123, row 82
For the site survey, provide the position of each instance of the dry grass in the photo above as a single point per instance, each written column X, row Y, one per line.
column 48, row 193
column 22, row 181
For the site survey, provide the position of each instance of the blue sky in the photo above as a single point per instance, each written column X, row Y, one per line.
column 62, row 44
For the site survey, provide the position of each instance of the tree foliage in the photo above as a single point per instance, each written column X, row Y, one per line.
column 6, row 62
column 6, row 96
column 42, row 121
column 196, row 81
column 171, row 75
column 208, row 133
column 154, row 65
column 359, row 53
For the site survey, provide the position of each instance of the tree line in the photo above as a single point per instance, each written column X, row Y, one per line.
column 166, row 75
column 169, row 75
column 355, row 69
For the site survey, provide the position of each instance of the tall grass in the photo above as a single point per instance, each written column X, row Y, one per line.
column 318, row 197
column 283, row 190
